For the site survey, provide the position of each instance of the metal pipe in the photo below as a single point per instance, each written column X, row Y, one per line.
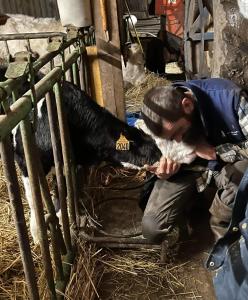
column 75, row 191
column 67, row 263
column 128, row 246
column 29, row 35
column 21, row 108
column 7, row 157
column 58, row 160
column 28, row 145
column 87, row 74
column 81, row 73
column 65, row 143
column 75, row 74
column 70, row 74
column 123, row 241
column 56, row 236
column 9, row 85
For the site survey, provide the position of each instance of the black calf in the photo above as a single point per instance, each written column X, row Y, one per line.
column 93, row 132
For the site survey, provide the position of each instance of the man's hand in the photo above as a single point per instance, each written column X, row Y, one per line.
column 165, row 168
column 205, row 151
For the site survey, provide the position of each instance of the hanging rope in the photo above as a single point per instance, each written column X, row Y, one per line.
column 134, row 28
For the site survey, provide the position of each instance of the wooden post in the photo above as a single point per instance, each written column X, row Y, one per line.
column 108, row 52
column 95, row 76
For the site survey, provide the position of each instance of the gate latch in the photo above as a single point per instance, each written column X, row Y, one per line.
column 18, row 65
column 72, row 32
column 54, row 43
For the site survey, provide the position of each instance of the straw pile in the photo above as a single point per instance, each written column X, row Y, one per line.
column 125, row 274
column 134, row 96
column 84, row 274
column 137, row 274
column 12, row 281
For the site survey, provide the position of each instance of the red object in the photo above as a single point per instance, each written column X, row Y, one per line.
column 174, row 11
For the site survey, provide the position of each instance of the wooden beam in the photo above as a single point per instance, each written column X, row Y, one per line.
column 95, row 78
column 109, row 56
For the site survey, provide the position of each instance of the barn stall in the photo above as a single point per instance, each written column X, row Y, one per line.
column 95, row 271
column 85, row 275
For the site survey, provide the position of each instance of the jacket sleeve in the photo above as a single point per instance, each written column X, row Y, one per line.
column 232, row 152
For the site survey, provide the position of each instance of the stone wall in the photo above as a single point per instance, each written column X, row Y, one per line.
column 231, row 40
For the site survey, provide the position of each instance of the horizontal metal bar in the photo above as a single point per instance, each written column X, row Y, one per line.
column 111, row 240
column 128, row 246
column 29, row 35
column 208, row 36
column 21, row 108
column 9, row 85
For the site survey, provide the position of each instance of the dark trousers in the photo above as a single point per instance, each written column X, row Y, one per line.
column 170, row 199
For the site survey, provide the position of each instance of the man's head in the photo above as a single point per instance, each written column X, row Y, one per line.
column 169, row 112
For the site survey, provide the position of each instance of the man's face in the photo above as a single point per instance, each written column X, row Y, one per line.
column 188, row 128
column 177, row 130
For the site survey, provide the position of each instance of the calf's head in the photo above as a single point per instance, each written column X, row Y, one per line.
column 132, row 148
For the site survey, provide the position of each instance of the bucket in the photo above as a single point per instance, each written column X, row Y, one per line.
column 75, row 12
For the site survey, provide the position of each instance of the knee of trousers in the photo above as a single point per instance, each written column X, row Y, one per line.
column 151, row 229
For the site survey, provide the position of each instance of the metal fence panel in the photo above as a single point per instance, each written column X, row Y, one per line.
column 35, row 8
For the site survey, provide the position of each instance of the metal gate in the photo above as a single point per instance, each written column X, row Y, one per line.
column 61, row 243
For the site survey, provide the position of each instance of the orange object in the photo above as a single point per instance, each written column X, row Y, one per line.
column 174, row 11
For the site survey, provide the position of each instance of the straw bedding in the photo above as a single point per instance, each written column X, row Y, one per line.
column 134, row 96
column 97, row 273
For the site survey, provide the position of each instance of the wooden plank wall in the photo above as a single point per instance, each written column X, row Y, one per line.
column 138, row 7
column 35, row 8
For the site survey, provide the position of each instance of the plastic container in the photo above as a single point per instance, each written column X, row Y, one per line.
column 75, row 12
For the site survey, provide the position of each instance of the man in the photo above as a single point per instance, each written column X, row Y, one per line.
column 211, row 115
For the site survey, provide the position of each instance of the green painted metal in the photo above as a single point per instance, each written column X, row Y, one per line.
column 7, row 157
column 22, row 107
column 18, row 113
column 31, row 161
column 9, row 85
column 68, row 161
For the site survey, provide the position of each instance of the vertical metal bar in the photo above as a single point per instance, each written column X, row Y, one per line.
column 75, row 73
column 86, row 74
column 7, row 47
column 81, row 73
column 66, row 153
column 70, row 73
column 56, row 245
column 7, row 157
column 75, row 189
column 28, row 145
column 57, row 153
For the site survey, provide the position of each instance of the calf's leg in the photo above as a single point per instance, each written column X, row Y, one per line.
column 33, row 223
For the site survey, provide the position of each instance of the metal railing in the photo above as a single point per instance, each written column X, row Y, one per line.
column 19, row 114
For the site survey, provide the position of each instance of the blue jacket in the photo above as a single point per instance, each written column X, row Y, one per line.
column 218, row 102
column 229, row 256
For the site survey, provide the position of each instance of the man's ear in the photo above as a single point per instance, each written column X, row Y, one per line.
column 188, row 105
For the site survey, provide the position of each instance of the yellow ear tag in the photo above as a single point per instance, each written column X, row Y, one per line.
column 122, row 143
